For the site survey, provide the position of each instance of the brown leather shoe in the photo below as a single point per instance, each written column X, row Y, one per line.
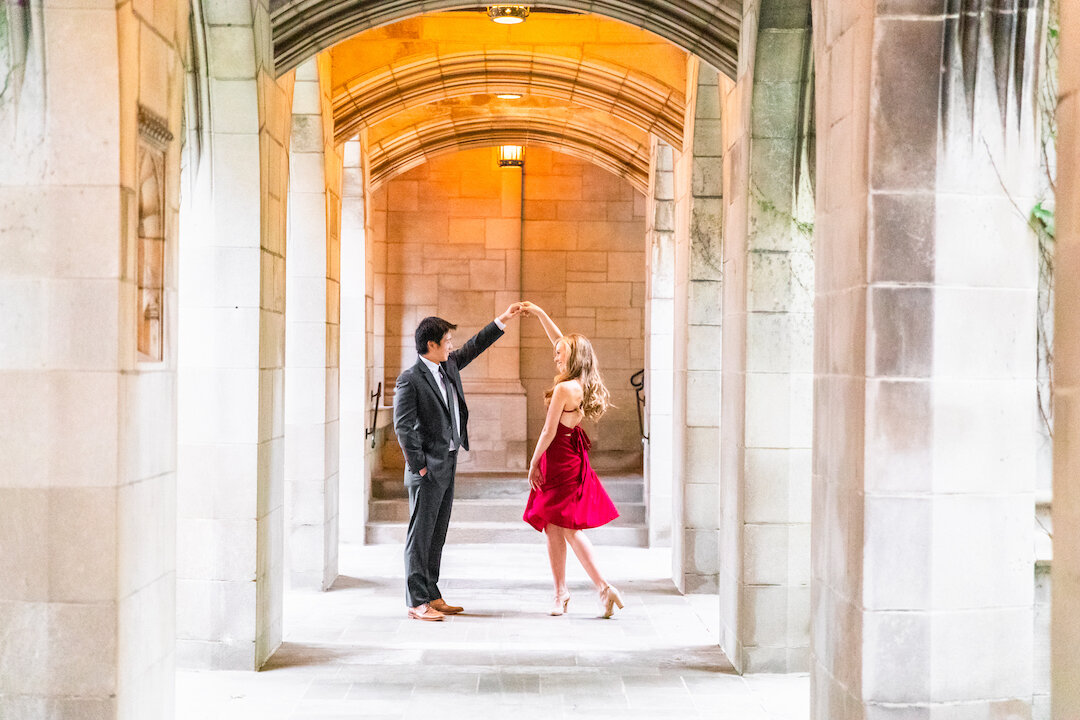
column 425, row 612
column 441, row 606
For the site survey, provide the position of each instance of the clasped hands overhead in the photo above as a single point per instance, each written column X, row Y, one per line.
column 523, row 308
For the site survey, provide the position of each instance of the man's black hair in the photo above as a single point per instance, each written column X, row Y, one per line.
column 431, row 329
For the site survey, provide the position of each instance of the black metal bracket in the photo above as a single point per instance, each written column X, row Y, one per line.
column 637, row 380
column 375, row 398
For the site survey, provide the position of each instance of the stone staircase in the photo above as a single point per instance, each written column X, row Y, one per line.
column 488, row 508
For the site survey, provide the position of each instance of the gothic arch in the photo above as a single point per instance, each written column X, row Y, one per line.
column 708, row 28
column 415, row 145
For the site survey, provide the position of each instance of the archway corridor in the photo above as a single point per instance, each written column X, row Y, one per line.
column 815, row 244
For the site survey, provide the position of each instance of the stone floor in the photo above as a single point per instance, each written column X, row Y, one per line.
column 351, row 653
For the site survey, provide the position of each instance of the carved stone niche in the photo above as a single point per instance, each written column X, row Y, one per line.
column 154, row 137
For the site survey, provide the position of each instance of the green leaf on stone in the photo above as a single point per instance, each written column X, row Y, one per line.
column 1042, row 219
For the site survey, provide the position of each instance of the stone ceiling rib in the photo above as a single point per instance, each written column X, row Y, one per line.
column 707, row 28
column 416, row 145
column 634, row 97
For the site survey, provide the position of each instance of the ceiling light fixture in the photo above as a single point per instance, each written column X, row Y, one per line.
column 508, row 96
column 511, row 156
column 508, row 14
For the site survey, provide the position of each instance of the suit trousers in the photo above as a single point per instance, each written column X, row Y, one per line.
column 430, row 502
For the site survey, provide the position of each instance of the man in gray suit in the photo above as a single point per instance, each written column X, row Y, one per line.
column 431, row 421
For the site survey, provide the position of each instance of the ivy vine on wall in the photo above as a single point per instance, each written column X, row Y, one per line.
column 1041, row 216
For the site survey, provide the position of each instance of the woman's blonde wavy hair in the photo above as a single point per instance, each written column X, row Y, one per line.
column 582, row 365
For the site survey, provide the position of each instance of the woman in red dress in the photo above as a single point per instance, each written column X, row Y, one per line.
column 566, row 494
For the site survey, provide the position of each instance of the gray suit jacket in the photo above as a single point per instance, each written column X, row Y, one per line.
column 421, row 416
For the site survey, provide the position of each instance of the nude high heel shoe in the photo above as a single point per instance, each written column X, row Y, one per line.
column 561, row 601
column 609, row 598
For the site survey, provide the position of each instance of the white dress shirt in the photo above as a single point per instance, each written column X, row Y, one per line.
column 434, row 368
column 452, row 397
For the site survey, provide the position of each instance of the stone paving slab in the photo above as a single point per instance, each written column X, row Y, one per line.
column 352, row 653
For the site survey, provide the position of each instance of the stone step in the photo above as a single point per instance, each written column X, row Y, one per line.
column 461, row 533
column 490, row 510
column 621, row 488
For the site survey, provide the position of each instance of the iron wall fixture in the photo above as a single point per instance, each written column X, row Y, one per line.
column 511, row 156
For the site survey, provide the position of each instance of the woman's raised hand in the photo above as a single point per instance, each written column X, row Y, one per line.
column 529, row 309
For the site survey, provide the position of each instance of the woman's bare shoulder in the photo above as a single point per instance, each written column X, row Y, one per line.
column 571, row 390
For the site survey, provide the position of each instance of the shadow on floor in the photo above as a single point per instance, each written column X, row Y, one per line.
column 345, row 582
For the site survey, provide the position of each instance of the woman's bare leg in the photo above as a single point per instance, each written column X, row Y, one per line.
column 584, row 551
column 556, row 541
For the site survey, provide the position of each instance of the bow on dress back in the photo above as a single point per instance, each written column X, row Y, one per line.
column 571, row 495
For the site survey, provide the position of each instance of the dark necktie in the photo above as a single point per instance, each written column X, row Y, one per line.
column 451, row 401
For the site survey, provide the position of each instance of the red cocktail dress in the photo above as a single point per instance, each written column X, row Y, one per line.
column 571, row 495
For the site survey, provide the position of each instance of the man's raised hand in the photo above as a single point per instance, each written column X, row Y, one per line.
column 513, row 311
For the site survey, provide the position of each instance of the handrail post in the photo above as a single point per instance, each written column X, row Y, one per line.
column 637, row 380
column 370, row 432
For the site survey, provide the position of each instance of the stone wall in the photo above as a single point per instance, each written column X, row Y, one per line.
column 449, row 240
column 583, row 261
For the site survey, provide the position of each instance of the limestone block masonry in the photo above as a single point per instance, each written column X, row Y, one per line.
column 231, row 485
column 462, row 239
column 924, row 418
column 768, row 352
column 87, row 429
column 699, row 211
column 312, row 346
column 447, row 241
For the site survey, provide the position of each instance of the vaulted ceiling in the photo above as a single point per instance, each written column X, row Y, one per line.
column 429, row 84
column 708, row 29
column 589, row 86
column 416, row 80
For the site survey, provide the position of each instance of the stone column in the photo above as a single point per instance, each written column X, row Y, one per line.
column 357, row 454
column 230, row 576
column 375, row 316
column 1065, row 632
column 376, row 252
column 924, row 412
column 697, row 335
column 498, row 416
column 768, row 340
column 89, row 119
column 659, row 341
column 312, row 333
